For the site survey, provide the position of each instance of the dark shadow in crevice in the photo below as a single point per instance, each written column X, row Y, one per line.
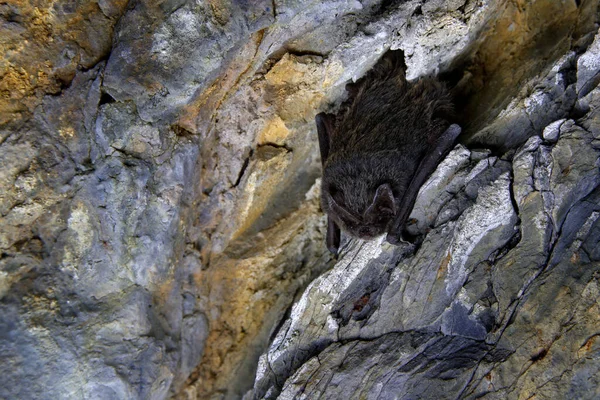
column 495, row 70
column 106, row 98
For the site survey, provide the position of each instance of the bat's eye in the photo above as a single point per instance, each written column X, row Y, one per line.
column 364, row 231
column 385, row 211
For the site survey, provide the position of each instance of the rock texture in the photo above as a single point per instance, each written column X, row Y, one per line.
column 160, row 232
column 499, row 300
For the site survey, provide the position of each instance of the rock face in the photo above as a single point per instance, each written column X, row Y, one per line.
column 496, row 301
column 160, row 232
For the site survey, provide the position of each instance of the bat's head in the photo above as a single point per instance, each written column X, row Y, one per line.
column 364, row 214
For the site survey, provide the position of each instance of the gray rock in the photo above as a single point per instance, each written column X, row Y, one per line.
column 164, row 53
column 417, row 365
column 588, row 69
column 552, row 97
column 551, row 132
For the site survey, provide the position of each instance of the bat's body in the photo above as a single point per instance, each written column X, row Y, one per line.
column 380, row 149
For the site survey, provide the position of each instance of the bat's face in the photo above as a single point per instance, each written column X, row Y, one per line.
column 366, row 222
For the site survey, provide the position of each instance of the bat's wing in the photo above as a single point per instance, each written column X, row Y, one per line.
column 324, row 127
column 442, row 147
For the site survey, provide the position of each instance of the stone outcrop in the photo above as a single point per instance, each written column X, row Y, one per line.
column 160, row 232
column 499, row 299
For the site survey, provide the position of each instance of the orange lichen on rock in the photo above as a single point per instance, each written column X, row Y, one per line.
column 239, row 298
column 43, row 44
column 275, row 132
column 295, row 84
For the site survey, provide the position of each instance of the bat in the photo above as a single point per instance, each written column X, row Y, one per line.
column 379, row 149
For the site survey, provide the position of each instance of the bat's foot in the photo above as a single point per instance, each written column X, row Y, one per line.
column 333, row 249
column 403, row 238
column 394, row 238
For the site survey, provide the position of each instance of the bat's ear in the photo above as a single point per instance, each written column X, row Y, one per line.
column 384, row 202
column 339, row 210
column 325, row 124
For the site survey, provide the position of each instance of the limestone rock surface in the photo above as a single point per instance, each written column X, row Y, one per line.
column 160, row 231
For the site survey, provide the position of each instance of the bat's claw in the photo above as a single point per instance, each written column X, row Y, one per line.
column 333, row 249
column 394, row 238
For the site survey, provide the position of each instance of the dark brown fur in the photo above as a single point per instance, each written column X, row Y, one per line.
column 374, row 147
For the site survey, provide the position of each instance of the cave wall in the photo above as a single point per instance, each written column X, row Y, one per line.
column 159, row 207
